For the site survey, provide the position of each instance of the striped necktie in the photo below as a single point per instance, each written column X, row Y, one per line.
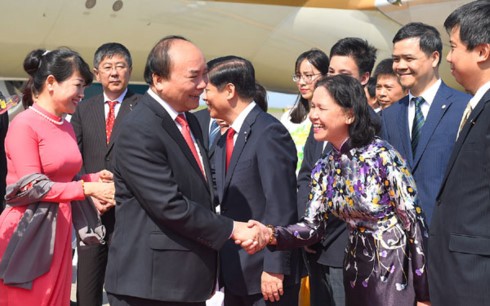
column 418, row 122
column 213, row 132
column 464, row 118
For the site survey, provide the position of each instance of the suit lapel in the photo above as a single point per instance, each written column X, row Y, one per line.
column 437, row 110
column 404, row 131
column 170, row 126
column 98, row 120
column 472, row 120
column 130, row 100
column 219, row 156
column 241, row 141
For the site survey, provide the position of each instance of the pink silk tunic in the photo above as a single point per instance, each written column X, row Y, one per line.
column 36, row 145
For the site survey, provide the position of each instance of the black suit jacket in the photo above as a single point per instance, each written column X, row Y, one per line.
column 459, row 243
column 166, row 237
column 260, row 184
column 89, row 124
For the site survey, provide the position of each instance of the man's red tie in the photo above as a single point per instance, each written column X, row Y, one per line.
column 111, row 116
column 186, row 132
column 229, row 145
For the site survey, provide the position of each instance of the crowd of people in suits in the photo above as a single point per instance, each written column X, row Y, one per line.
column 379, row 203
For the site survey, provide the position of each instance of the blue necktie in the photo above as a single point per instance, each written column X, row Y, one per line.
column 213, row 132
column 418, row 122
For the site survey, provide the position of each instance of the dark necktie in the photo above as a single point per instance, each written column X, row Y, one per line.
column 186, row 132
column 418, row 122
column 213, row 132
column 111, row 116
column 229, row 145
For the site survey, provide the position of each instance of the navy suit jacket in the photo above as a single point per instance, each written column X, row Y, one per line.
column 459, row 243
column 89, row 125
column 166, row 237
column 435, row 144
column 260, row 184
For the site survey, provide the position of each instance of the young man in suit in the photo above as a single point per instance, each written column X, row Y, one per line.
column 165, row 241
column 355, row 57
column 96, row 136
column 255, row 176
column 459, row 243
column 423, row 132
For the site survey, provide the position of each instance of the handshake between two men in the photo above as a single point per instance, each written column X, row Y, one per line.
column 253, row 236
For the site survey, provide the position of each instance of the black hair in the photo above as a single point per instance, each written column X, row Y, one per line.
column 349, row 94
column 60, row 63
column 473, row 20
column 261, row 97
column 158, row 61
column 320, row 61
column 371, row 87
column 429, row 38
column 109, row 50
column 359, row 49
column 384, row 67
column 236, row 70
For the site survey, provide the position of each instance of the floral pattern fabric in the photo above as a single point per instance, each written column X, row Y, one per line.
column 372, row 190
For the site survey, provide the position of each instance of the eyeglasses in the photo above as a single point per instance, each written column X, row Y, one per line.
column 108, row 69
column 308, row 78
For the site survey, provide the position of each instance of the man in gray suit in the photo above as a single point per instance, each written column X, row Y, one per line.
column 96, row 126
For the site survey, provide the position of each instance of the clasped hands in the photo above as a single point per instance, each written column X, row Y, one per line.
column 252, row 236
column 102, row 192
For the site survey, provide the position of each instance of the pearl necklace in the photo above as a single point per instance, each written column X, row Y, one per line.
column 47, row 117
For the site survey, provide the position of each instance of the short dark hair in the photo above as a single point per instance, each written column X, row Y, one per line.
column 236, row 70
column 158, row 61
column 320, row 61
column 429, row 38
column 109, row 50
column 349, row 94
column 371, row 87
column 261, row 97
column 60, row 63
column 384, row 67
column 359, row 49
column 473, row 20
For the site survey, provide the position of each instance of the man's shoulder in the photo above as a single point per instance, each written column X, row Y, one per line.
column 454, row 94
column 393, row 110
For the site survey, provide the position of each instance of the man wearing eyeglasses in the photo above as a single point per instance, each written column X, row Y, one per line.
column 96, row 123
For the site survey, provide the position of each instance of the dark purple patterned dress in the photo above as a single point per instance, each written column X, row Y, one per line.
column 371, row 189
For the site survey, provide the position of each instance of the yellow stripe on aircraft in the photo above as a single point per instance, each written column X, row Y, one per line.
column 332, row 4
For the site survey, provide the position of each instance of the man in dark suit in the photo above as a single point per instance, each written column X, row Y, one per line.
column 255, row 176
column 355, row 57
column 166, row 237
column 459, row 243
column 112, row 68
column 416, row 57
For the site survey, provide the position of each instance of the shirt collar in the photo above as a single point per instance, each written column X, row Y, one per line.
column 479, row 94
column 172, row 112
column 119, row 99
column 237, row 124
column 429, row 94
